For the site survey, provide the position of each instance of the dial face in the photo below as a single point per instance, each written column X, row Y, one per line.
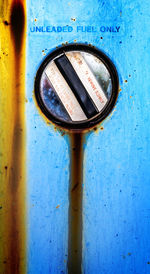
column 76, row 86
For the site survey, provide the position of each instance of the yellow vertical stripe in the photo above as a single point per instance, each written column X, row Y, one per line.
column 12, row 138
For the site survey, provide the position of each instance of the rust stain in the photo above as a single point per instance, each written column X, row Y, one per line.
column 13, row 242
column 17, row 22
column 75, row 203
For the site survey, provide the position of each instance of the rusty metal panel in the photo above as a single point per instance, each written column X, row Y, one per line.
column 41, row 163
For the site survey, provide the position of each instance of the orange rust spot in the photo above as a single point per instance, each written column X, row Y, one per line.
column 62, row 133
column 101, row 128
column 125, row 81
column 57, row 206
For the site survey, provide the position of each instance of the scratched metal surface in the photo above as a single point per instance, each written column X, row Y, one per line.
column 116, row 159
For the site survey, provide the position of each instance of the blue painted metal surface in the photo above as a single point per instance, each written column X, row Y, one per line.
column 116, row 161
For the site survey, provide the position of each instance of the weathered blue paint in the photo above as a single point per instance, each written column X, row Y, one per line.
column 116, row 164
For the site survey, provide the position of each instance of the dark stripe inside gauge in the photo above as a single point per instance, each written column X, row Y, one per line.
column 76, row 86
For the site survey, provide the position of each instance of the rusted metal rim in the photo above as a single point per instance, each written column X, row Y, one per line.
column 111, row 102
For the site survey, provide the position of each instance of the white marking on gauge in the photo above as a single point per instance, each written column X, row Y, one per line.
column 88, row 79
column 64, row 92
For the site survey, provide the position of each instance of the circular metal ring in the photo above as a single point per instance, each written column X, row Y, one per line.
column 79, row 125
